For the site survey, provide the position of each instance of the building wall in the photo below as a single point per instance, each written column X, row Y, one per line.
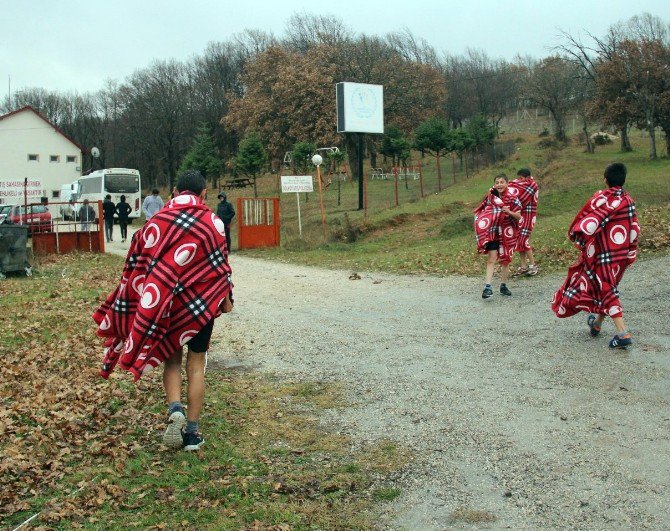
column 24, row 134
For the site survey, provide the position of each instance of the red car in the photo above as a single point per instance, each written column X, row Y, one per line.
column 38, row 218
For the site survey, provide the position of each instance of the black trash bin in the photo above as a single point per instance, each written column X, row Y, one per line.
column 13, row 252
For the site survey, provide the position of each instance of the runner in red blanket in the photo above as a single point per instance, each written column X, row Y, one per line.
column 525, row 189
column 175, row 282
column 496, row 229
column 606, row 232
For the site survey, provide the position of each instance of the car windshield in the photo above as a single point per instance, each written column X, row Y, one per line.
column 122, row 184
column 5, row 209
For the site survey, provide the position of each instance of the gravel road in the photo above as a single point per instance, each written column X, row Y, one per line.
column 511, row 414
column 515, row 419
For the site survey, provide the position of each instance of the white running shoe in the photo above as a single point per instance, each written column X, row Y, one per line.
column 172, row 437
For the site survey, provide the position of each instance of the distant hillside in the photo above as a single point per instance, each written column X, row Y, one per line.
column 435, row 235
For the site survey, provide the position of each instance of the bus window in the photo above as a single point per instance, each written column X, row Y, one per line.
column 90, row 186
column 122, row 184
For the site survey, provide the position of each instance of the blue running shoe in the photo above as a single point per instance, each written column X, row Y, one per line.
column 593, row 327
column 192, row 441
column 622, row 342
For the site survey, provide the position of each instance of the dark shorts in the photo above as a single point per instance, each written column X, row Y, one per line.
column 492, row 246
column 200, row 342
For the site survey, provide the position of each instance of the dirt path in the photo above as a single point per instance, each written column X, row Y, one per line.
column 511, row 413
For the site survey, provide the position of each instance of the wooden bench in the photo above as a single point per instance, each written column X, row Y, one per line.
column 239, row 182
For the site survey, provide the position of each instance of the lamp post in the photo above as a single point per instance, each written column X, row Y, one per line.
column 95, row 154
column 317, row 160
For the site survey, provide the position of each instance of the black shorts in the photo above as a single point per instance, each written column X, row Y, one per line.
column 492, row 246
column 200, row 342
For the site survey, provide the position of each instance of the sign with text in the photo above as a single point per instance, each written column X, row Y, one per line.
column 296, row 183
column 360, row 108
column 12, row 190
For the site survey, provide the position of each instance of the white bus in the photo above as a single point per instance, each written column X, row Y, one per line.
column 115, row 182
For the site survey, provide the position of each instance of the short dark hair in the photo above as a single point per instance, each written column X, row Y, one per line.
column 191, row 180
column 501, row 176
column 615, row 174
column 524, row 171
column 108, row 196
column 154, row 191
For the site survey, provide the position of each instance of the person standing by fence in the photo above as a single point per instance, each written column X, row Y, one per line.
column 123, row 210
column 86, row 216
column 226, row 212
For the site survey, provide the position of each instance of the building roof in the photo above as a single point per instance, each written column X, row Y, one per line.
column 56, row 128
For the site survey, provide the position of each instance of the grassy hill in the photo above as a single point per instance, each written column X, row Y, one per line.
column 434, row 235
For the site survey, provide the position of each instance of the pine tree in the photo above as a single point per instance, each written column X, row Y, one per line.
column 203, row 156
column 251, row 158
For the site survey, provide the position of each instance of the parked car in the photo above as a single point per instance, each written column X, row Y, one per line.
column 4, row 211
column 38, row 218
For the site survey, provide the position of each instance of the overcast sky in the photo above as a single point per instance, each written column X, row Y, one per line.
column 67, row 45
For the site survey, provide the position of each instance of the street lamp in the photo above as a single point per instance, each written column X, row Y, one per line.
column 95, row 154
column 317, row 160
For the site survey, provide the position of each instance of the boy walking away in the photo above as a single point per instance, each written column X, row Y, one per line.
column 496, row 231
column 226, row 212
column 123, row 210
column 152, row 204
column 525, row 189
column 175, row 282
column 606, row 232
column 108, row 211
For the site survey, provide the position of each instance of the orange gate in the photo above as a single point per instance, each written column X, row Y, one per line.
column 258, row 222
column 56, row 228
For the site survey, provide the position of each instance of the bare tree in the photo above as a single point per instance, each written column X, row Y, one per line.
column 551, row 85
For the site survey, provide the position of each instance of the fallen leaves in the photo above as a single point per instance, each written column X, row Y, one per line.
column 56, row 413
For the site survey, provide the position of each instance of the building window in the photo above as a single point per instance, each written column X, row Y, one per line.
column 55, row 194
column 33, row 157
column 71, row 158
column 54, row 158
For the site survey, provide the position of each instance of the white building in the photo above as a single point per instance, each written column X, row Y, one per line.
column 32, row 147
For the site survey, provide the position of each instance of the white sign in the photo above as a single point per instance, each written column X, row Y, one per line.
column 297, row 183
column 360, row 108
column 12, row 190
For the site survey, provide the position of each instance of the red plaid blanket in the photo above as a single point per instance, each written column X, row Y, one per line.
column 526, row 191
column 491, row 224
column 175, row 277
column 606, row 231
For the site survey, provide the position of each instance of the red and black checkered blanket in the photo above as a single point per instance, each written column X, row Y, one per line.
column 491, row 224
column 525, row 189
column 174, row 280
column 606, row 232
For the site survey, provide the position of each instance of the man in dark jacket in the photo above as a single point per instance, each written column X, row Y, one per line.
column 226, row 212
column 108, row 210
column 86, row 216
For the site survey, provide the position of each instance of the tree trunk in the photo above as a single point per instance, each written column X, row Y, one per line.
column 255, row 189
column 652, row 137
column 590, row 147
column 439, row 172
column 625, row 140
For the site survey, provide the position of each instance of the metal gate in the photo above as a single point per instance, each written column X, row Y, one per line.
column 258, row 222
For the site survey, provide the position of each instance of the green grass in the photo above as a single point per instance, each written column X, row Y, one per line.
column 435, row 235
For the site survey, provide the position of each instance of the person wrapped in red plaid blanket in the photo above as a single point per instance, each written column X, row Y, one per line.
column 175, row 282
column 606, row 231
column 525, row 189
column 496, row 230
